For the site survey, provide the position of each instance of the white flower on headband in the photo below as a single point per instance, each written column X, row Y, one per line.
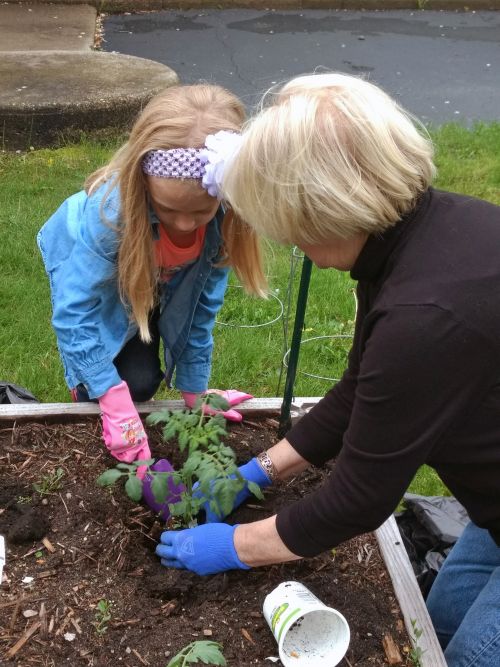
column 220, row 149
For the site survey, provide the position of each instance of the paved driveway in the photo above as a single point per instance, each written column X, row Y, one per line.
column 443, row 66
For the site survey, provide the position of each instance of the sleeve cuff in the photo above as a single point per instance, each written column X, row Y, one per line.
column 300, row 439
column 294, row 535
column 99, row 379
column 192, row 377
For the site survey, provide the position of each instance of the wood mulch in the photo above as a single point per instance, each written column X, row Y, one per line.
column 80, row 544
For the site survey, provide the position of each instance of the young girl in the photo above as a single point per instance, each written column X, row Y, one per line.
column 142, row 255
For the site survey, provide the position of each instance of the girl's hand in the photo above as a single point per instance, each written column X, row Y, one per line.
column 232, row 396
column 122, row 429
column 174, row 490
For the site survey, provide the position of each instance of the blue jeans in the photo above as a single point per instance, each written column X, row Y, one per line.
column 464, row 601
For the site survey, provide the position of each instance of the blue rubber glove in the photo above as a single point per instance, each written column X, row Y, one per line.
column 206, row 549
column 251, row 472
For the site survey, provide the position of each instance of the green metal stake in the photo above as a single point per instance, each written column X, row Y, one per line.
column 300, row 311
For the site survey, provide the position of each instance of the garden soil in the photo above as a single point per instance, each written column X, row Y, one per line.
column 80, row 544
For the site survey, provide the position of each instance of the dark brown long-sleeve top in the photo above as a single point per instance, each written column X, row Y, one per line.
column 423, row 379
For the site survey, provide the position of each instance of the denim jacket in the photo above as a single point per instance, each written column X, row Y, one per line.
column 80, row 252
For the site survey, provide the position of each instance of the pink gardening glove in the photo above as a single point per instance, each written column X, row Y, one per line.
column 122, row 429
column 232, row 396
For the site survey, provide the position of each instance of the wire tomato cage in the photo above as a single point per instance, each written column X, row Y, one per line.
column 309, row 340
column 281, row 308
column 284, row 308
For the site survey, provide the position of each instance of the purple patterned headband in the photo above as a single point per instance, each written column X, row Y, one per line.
column 207, row 163
column 174, row 163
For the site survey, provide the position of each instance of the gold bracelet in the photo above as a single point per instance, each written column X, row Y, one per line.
column 268, row 466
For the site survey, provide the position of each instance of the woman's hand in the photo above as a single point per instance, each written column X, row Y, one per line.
column 205, row 549
column 251, row 472
column 214, row 548
column 284, row 462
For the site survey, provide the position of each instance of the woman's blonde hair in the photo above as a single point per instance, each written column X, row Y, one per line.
column 180, row 117
column 332, row 156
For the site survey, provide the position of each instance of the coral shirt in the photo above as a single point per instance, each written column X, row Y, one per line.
column 170, row 259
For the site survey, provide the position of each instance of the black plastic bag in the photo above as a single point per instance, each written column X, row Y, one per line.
column 430, row 526
column 13, row 393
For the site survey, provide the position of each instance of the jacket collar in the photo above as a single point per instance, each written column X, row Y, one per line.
column 378, row 247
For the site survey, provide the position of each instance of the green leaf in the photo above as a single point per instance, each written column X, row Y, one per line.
column 133, row 487
column 109, row 477
column 183, row 440
column 180, row 508
column 159, row 488
column 207, row 476
column 217, row 402
column 193, row 443
column 125, row 466
column 143, row 462
column 158, row 417
column 224, row 492
column 196, row 505
column 256, row 490
column 220, row 422
column 170, row 430
column 190, row 465
column 190, row 419
column 219, row 511
column 206, row 652
column 198, row 404
column 227, row 452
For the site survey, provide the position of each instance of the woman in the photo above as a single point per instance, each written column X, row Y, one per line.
column 336, row 167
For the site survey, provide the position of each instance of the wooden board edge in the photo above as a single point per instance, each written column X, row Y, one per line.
column 22, row 412
column 408, row 593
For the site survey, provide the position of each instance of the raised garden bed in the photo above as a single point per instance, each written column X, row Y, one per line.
column 83, row 544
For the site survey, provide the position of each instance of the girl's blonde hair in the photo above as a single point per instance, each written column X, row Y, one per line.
column 332, row 156
column 180, row 117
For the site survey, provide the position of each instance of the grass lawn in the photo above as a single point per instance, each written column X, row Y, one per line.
column 248, row 351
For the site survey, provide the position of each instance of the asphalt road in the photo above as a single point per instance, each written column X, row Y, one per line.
column 443, row 66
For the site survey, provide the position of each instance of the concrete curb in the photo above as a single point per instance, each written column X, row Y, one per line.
column 55, row 86
column 52, row 94
column 118, row 6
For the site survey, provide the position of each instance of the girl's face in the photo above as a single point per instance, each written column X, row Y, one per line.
column 181, row 205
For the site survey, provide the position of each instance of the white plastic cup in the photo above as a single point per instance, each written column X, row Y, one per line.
column 309, row 634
